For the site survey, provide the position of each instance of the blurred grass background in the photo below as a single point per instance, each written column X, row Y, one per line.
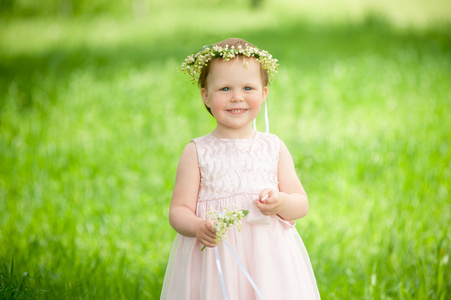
column 94, row 115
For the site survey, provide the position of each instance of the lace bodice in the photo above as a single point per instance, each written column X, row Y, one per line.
column 231, row 167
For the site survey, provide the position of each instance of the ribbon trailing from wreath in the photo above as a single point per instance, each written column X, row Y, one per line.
column 254, row 122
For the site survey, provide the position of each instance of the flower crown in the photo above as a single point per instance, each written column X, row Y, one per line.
column 195, row 62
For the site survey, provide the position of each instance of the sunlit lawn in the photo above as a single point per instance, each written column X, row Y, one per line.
column 94, row 116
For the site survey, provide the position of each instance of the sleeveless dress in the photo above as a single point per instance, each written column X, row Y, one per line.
column 233, row 173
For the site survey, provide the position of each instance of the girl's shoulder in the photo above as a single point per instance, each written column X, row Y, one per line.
column 268, row 136
column 203, row 139
column 271, row 139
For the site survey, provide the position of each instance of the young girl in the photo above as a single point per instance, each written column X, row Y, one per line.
column 237, row 167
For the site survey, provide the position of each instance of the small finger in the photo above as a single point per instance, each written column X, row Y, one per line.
column 264, row 198
column 209, row 238
column 212, row 229
column 211, row 235
column 209, row 242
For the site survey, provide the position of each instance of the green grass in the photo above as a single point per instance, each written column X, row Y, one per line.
column 94, row 116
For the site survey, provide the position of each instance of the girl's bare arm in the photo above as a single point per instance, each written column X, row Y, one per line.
column 291, row 202
column 182, row 212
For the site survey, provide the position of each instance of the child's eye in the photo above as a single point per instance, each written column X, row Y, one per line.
column 248, row 88
column 225, row 89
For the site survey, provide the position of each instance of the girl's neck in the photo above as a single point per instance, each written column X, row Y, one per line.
column 242, row 133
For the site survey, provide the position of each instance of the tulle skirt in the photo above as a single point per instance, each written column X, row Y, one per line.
column 270, row 249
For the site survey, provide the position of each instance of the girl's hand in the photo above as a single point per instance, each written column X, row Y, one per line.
column 206, row 233
column 270, row 205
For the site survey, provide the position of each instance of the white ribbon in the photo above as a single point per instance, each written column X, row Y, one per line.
column 221, row 275
column 266, row 120
column 245, row 271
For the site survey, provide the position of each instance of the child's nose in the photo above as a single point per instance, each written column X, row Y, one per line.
column 237, row 97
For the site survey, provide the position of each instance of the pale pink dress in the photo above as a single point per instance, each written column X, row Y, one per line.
column 233, row 173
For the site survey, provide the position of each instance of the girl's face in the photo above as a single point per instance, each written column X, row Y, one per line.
column 234, row 93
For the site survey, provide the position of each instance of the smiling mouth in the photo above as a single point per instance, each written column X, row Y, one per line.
column 237, row 111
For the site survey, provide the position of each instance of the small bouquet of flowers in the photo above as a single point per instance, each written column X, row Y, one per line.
column 225, row 220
